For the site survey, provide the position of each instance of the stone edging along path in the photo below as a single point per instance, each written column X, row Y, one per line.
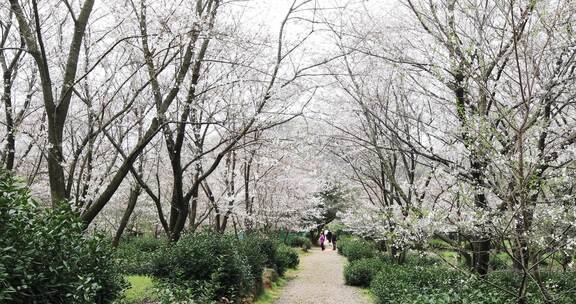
column 319, row 280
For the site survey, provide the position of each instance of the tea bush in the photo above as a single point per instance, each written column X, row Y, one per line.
column 399, row 284
column 341, row 244
column 418, row 259
column 361, row 272
column 357, row 249
column 254, row 247
column 436, row 284
column 209, row 264
column 45, row 255
column 286, row 257
column 136, row 254
column 301, row 242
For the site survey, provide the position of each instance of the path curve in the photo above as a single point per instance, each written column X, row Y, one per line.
column 319, row 280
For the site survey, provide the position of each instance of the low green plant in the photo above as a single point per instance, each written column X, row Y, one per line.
column 253, row 248
column 45, row 255
column 419, row 259
column 361, row 272
column 301, row 242
column 342, row 243
column 358, row 249
column 270, row 248
column 560, row 285
column 402, row 283
column 136, row 254
column 416, row 284
column 286, row 257
column 205, row 265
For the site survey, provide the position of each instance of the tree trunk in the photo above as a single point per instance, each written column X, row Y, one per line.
column 481, row 243
column 55, row 161
column 10, row 141
column 132, row 199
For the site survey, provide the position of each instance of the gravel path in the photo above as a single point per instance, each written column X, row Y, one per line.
column 319, row 280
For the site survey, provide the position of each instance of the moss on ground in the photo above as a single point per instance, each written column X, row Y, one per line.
column 141, row 288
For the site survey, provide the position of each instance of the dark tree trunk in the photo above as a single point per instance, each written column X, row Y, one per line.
column 481, row 243
column 10, row 141
column 132, row 199
column 55, row 161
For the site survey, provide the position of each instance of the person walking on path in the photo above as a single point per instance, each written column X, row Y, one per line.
column 334, row 238
column 322, row 239
column 329, row 236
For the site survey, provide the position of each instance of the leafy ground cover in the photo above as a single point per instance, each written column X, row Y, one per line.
column 424, row 279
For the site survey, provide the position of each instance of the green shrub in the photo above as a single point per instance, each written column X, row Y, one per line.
column 137, row 253
column 463, row 295
column 399, row 284
column 286, row 257
column 417, row 259
column 560, row 285
column 301, row 242
column 207, row 264
column 45, row 256
column 253, row 249
column 361, row 272
column 269, row 248
column 183, row 293
column 341, row 244
column 413, row 283
column 358, row 249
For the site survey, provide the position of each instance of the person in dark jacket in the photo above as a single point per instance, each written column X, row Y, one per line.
column 329, row 236
column 334, row 241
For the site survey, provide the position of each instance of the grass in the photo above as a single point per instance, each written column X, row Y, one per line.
column 272, row 294
column 367, row 294
column 141, row 288
column 302, row 253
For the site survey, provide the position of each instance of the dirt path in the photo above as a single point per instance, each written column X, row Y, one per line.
column 319, row 280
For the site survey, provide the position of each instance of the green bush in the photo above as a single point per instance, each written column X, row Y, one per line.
column 301, row 242
column 286, row 257
column 463, row 295
column 417, row 259
column 253, row 249
column 269, row 248
column 561, row 285
column 400, row 284
column 207, row 264
column 358, row 249
column 182, row 293
column 432, row 284
column 45, row 256
column 341, row 244
column 420, row 281
column 137, row 253
column 361, row 272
